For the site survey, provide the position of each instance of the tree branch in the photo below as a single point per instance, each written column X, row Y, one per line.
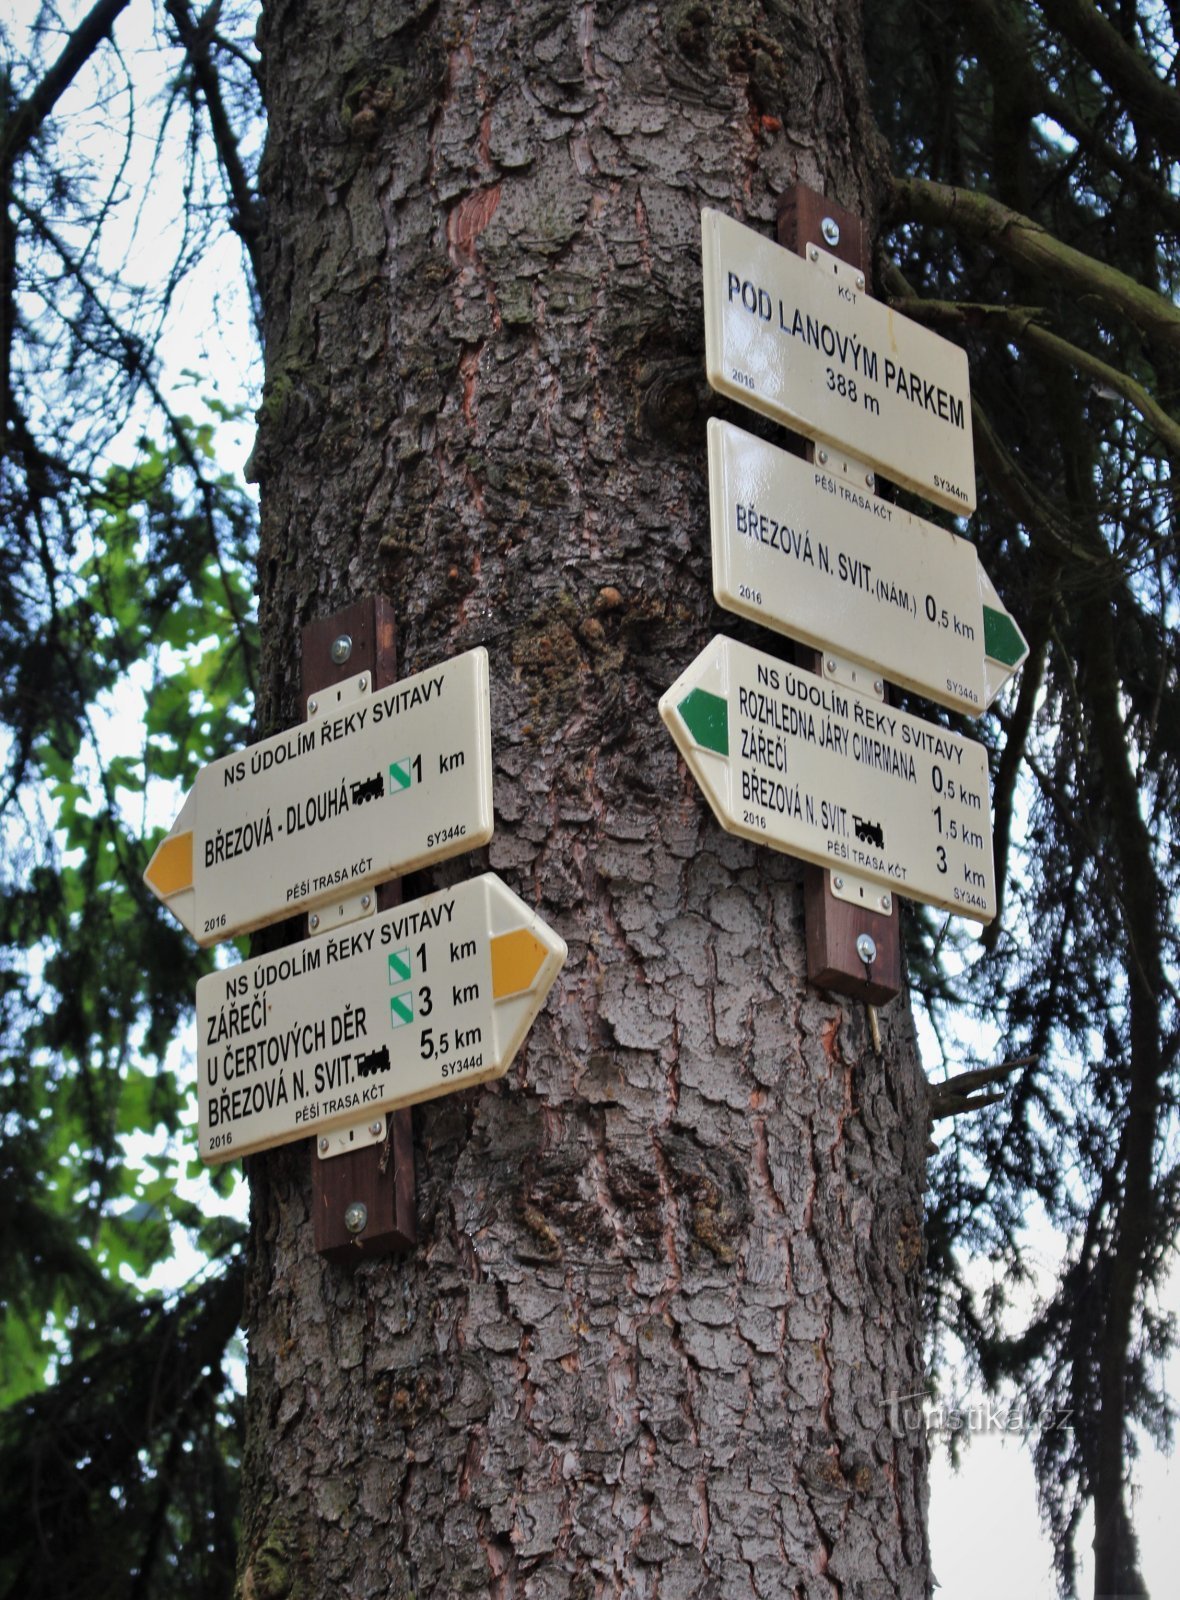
column 1151, row 102
column 28, row 118
column 1020, row 325
column 1028, row 245
column 194, row 37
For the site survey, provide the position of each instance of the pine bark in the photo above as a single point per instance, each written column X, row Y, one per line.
column 669, row 1269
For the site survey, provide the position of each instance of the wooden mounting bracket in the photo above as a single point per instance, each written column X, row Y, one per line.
column 381, row 1176
column 834, row 926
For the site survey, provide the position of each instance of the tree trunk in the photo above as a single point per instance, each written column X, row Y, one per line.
column 669, row 1269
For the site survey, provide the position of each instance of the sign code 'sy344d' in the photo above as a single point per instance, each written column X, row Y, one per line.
column 808, row 767
column 434, row 996
column 374, row 784
column 800, row 548
column 802, row 344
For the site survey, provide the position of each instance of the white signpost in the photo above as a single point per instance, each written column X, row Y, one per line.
column 801, row 342
column 799, row 548
column 812, row 768
column 434, row 996
column 374, row 784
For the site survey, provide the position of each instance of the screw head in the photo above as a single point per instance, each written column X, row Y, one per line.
column 830, row 229
column 823, row 457
column 870, row 479
column 860, row 280
column 830, row 663
column 377, row 1129
column 313, row 921
column 341, row 649
column 366, row 901
column 355, row 1216
column 364, row 684
column 878, row 686
column 837, row 882
column 886, row 902
column 312, row 707
column 866, row 948
column 323, row 1145
column 812, row 253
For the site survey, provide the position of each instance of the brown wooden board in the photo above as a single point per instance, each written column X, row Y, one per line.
column 380, row 1177
column 834, row 926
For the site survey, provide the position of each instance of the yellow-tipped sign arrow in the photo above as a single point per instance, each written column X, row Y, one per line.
column 374, row 784
column 434, row 996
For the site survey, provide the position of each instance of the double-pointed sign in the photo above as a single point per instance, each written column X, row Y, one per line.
column 812, row 768
column 810, row 551
column 432, row 997
column 372, row 785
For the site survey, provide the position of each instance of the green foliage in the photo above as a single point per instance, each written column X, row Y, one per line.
column 96, row 984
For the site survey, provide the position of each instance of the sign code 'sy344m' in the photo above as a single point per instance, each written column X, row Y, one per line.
column 802, row 344
column 434, row 996
column 374, row 784
column 800, row 548
column 818, row 771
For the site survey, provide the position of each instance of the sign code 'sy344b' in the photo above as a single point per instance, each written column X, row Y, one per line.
column 798, row 547
column 433, row 996
column 818, row 771
column 374, row 784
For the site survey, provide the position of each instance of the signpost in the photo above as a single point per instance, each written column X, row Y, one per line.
column 375, row 783
column 798, row 547
column 433, row 996
column 814, row 769
column 812, row 350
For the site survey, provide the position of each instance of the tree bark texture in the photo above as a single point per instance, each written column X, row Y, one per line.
column 669, row 1268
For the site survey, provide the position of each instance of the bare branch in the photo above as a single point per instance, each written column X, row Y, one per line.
column 1154, row 104
column 1028, row 245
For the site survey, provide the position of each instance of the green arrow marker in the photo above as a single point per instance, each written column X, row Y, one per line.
column 706, row 716
column 1002, row 639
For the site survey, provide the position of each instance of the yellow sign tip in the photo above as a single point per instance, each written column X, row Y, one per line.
column 171, row 868
column 517, row 958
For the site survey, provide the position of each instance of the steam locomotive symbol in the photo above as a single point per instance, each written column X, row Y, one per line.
column 375, row 1061
column 371, row 789
column 869, row 832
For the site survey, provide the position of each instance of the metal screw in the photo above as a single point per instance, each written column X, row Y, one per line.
column 837, row 882
column 813, row 254
column 830, row 229
column 830, row 663
column 323, row 1145
column 341, row 649
column 860, row 280
column 312, row 707
column 377, row 1129
column 886, row 902
column 866, row 948
column 823, row 457
column 870, row 478
column 313, row 921
column 355, row 1216
column 878, row 686
column 364, row 684
column 366, row 901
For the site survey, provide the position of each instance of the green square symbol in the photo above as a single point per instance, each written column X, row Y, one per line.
column 400, row 970
column 401, row 774
column 401, row 1008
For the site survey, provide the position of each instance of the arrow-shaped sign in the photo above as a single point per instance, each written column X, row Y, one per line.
column 800, row 341
column 391, row 1009
column 814, row 769
column 374, row 784
column 803, row 549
